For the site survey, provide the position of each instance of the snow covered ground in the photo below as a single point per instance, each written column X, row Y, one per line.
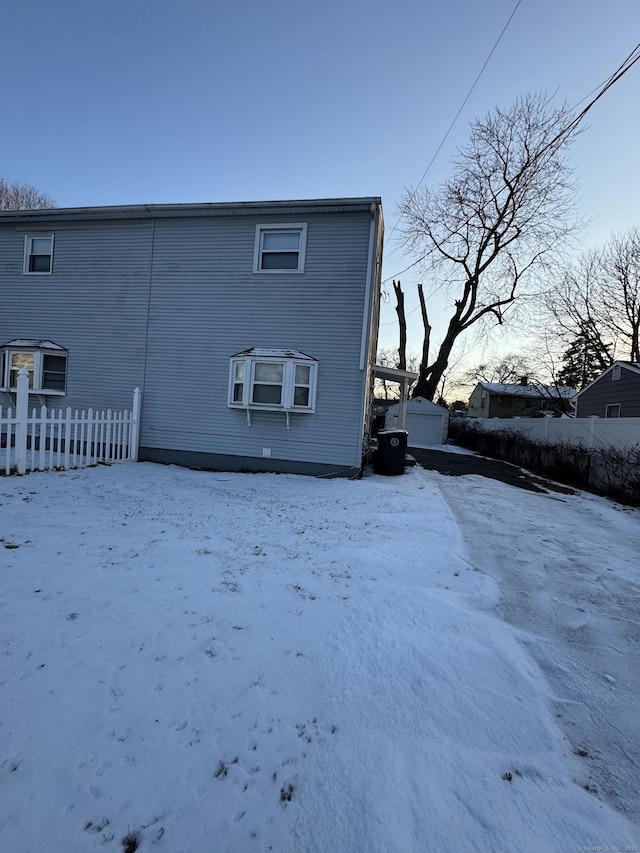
column 201, row 662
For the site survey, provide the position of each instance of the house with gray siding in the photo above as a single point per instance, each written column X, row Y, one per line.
column 522, row 399
column 613, row 394
column 251, row 328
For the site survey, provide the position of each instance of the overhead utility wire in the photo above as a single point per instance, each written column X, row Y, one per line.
column 622, row 69
column 456, row 117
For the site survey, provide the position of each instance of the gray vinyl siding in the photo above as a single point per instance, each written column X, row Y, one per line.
column 605, row 392
column 163, row 302
column 207, row 304
column 94, row 304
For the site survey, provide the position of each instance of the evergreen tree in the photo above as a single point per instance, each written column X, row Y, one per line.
column 582, row 362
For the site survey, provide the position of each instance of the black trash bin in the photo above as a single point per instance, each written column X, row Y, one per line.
column 392, row 446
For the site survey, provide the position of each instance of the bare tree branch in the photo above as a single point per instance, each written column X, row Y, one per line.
column 17, row 196
column 508, row 204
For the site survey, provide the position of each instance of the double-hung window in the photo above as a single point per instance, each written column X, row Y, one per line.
column 45, row 362
column 273, row 380
column 280, row 248
column 38, row 254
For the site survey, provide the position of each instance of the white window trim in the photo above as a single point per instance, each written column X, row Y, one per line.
column 261, row 230
column 289, row 364
column 28, row 240
column 38, row 369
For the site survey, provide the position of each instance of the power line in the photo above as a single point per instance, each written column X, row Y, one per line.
column 457, row 116
column 626, row 65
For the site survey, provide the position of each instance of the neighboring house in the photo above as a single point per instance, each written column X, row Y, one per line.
column 518, row 400
column 426, row 423
column 250, row 327
column 614, row 394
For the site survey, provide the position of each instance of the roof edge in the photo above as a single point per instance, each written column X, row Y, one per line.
column 144, row 211
column 634, row 366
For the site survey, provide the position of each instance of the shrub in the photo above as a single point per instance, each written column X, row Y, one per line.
column 608, row 471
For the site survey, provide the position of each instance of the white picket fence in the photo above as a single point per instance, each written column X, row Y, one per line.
column 592, row 432
column 65, row 439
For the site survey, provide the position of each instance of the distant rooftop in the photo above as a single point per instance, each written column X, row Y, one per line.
column 531, row 389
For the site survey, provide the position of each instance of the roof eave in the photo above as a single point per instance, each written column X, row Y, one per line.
column 147, row 211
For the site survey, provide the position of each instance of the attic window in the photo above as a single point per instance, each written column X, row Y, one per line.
column 615, row 373
column 273, row 380
column 45, row 361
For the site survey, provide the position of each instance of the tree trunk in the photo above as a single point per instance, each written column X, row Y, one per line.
column 427, row 334
column 402, row 322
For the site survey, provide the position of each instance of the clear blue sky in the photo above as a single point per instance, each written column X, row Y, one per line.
column 148, row 101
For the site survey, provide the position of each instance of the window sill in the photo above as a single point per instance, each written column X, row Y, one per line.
column 278, row 272
column 287, row 412
column 267, row 407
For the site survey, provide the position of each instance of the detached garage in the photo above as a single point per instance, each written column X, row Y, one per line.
column 426, row 423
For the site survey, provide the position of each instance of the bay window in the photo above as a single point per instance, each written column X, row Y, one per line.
column 273, row 380
column 45, row 361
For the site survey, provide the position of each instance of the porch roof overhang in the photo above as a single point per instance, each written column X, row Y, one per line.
column 394, row 374
column 404, row 378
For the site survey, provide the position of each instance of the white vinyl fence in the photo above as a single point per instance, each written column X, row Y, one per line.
column 65, row 438
column 592, row 432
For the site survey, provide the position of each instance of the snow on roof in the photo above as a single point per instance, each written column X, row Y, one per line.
column 32, row 343
column 533, row 389
column 269, row 352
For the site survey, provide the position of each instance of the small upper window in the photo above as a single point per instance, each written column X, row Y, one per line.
column 45, row 361
column 280, row 248
column 612, row 410
column 38, row 254
column 615, row 373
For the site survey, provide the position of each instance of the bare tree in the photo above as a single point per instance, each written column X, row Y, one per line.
column 17, row 196
column 503, row 213
column 621, row 291
column 576, row 308
column 596, row 308
column 510, row 368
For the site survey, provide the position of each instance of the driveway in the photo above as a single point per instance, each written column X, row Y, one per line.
column 458, row 464
column 574, row 596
